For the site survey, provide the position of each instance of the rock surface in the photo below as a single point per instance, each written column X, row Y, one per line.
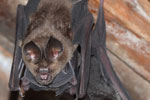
column 128, row 37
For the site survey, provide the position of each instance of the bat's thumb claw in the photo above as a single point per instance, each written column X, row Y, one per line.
column 22, row 92
column 81, row 95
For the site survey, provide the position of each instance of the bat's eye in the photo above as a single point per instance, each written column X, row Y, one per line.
column 32, row 52
column 54, row 49
column 54, row 52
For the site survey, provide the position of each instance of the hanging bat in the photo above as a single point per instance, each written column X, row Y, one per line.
column 55, row 40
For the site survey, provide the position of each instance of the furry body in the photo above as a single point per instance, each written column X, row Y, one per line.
column 52, row 19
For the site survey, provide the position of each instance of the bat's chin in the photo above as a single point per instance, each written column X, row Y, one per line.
column 44, row 78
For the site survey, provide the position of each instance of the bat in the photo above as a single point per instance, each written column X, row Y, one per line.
column 56, row 41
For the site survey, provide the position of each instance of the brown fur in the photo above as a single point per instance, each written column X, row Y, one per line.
column 52, row 19
column 56, row 12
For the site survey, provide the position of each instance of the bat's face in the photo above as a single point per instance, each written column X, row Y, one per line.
column 48, row 47
column 43, row 57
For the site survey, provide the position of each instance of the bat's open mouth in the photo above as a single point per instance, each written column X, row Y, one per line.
column 43, row 77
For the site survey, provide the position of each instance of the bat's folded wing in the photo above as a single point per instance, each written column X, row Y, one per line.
column 98, row 37
column 18, row 64
column 82, row 23
column 22, row 21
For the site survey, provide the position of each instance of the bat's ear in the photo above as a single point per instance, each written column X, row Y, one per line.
column 32, row 52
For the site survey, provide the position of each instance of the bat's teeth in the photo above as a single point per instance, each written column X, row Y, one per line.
column 43, row 73
column 44, row 76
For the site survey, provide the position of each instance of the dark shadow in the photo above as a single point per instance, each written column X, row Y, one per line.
column 40, row 95
column 13, row 95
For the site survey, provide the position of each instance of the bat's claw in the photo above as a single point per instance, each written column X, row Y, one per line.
column 73, row 81
column 25, row 84
column 24, row 87
column 22, row 92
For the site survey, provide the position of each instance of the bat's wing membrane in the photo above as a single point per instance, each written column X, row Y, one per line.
column 82, row 23
column 18, row 64
column 88, row 40
column 99, row 48
column 22, row 21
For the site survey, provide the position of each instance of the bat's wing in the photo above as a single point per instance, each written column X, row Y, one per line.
column 22, row 21
column 18, row 64
column 99, row 51
column 82, row 23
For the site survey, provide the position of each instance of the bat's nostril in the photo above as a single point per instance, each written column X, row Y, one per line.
column 50, row 71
